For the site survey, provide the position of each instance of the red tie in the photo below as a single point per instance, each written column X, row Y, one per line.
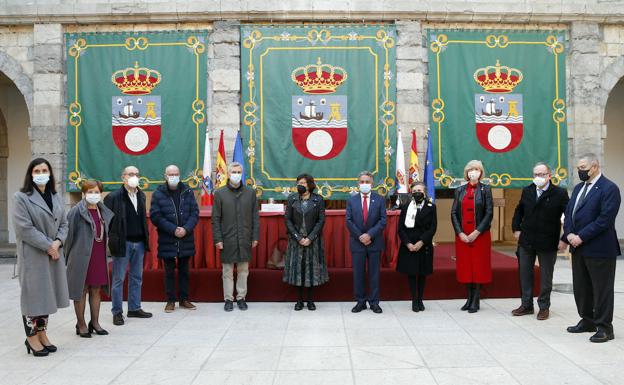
column 365, row 208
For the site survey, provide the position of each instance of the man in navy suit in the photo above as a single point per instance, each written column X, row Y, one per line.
column 366, row 220
column 589, row 228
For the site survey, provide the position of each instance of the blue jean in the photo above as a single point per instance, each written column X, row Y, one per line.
column 133, row 259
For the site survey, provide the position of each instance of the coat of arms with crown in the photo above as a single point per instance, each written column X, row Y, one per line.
column 498, row 113
column 136, row 115
column 319, row 120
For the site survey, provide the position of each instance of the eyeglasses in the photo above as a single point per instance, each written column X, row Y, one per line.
column 133, row 174
column 541, row 175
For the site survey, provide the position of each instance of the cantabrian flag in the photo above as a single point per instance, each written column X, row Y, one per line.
column 207, row 186
column 400, row 166
column 414, row 173
column 221, row 178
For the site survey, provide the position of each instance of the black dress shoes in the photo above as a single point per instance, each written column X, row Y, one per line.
column 118, row 319
column 376, row 308
column 581, row 327
column 299, row 306
column 415, row 307
column 358, row 307
column 311, row 306
column 421, row 305
column 602, row 335
column 242, row 305
column 139, row 314
column 229, row 305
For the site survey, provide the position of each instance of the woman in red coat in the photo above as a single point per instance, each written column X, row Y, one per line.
column 471, row 215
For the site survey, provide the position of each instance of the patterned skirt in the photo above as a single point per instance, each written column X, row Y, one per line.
column 305, row 266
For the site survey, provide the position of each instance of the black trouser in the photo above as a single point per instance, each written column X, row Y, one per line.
column 417, row 286
column 526, row 262
column 34, row 324
column 183, row 278
column 593, row 280
column 359, row 276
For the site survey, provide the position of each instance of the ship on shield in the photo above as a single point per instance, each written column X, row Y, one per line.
column 499, row 121
column 136, row 115
column 319, row 120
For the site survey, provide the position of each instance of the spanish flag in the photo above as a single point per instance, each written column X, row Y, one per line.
column 414, row 174
column 207, row 186
column 221, row 179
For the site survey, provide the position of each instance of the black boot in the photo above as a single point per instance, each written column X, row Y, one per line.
column 469, row 287
column 476, row 296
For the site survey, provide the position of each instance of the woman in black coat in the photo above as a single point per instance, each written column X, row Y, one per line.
column 417, row 226
column 305, row 264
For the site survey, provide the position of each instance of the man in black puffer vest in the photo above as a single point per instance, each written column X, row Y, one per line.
column 174, row 212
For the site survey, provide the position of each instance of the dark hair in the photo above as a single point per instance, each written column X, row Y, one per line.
column 29, row 185
column 91, row 183
column 309, row 181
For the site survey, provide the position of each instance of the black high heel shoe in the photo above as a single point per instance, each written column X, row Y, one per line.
column 100, row 332
column 83, row 335
column 50, row 348
column 37, row 353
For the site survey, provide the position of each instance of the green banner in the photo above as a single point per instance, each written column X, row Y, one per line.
column 318, row 99
column 135, row 99
column 497, row 96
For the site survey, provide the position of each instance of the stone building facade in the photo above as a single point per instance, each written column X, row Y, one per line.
column 33, row 102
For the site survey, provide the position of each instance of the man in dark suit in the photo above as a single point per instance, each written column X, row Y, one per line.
column 537, row 225
column 366, row 220
column 589, row 228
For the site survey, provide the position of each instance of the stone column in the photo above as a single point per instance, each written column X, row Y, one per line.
column 586, row 130
column 412, row 98
column 224, row 83
column 48, row 130
column 4, row 154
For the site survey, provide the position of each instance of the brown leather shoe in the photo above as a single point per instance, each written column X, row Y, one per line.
column 169, row 307
column 522, row 311
column 543, row 314
column 185, row 304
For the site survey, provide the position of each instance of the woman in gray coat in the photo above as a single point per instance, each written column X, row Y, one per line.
column 41, row 229
column 85, row 247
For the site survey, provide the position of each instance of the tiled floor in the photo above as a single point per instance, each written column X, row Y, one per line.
column 272, row 344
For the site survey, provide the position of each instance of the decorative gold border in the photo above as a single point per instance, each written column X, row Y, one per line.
column 137, row 43
column 250, row 108
column 558, row 104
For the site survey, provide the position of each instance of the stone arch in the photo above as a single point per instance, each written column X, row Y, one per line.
column 12, row 69
column 608, row 79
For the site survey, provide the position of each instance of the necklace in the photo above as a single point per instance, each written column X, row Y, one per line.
column 99, row 237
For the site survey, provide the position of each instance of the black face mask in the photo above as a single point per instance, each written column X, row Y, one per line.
column 418, row 196
column 583, row 175
column 301, row 189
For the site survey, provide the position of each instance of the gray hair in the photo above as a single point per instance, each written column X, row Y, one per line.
column 234, row 164
column 591, row 158
column 418, row 183
column 171, row 166
column 367, row 173
column 543, row 164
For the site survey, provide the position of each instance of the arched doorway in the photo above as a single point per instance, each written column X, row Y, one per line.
column 15, row 151
column 614, row 144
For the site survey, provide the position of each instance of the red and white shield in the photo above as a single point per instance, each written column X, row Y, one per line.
column 319, row 125
column 499, row 121
column 136, row 124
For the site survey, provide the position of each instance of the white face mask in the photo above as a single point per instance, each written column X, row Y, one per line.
column 539, row 181
column 474, row 175
column 93, row 198
column 41, row 179
column 173, row 180
column 236, row 178
column 365, row 188
column 133, row 181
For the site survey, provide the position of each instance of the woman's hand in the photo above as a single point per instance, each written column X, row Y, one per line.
column 418, row 245
column 464, row 238
column 473, row 236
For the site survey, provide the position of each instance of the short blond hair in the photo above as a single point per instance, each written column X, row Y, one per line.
column 473, row 164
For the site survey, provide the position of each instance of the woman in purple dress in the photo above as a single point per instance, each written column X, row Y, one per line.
column 87, row 270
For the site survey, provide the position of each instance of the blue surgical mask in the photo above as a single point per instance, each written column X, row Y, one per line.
column 41, row 179
column 365, row 188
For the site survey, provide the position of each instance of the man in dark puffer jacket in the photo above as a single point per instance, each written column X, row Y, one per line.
column 174, row 212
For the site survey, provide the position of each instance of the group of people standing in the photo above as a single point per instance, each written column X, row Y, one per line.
column 63, row 257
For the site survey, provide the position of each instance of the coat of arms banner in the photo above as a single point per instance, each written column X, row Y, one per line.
column 497, row 96
column 135, row 99
column 318, row 99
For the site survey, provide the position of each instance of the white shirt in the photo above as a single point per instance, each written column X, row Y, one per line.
column 591, row 184
column 133, row 199
column 368, row 196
